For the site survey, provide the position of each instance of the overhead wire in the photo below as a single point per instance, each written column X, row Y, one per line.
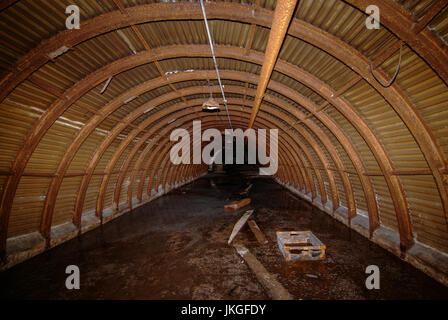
column 215, row 63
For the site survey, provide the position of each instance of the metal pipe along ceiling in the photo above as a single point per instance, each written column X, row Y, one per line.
column 282, row 18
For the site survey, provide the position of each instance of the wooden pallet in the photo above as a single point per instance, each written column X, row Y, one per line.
column 300, row 246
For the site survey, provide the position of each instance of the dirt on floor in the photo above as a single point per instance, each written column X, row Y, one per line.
column 176, row 248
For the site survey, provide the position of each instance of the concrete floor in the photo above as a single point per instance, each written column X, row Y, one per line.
column 176, row 248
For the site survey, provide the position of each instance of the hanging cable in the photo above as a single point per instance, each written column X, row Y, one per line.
column 214, row 61
column 386, row 85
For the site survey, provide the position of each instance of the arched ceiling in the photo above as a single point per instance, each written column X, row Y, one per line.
column 68, row 149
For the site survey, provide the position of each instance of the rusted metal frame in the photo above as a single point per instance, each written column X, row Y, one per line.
column 167, row 166
column 320, row 181
column 175, row 176
column 77, row 142
column 162, row 163
column 407, row 173
column 165, row 171
column 420, row 39
column 48, row 208
column 144, row 174
column 147, row 47
column 346, row 183
column 341, row 91
column 365, row 131
column 128, row 161
column 6, row 66
column 101, row 70
column 351, row 152
column 310, row 27
column 283, row 13
column 180, row 174
column 252, row 29
column 122, row 147
column 123, row 121
column 421, row 133
column 142, row 139
column 125, row 166
column 105, row 111
column 172, row 175
column 328, row 145
column 305, row 157
column 161, row 155
column 183, row 174
column 90, row 171
column 429, row 15
column 334, row 189
column 341, row 137
column 60, row 94
column 404, row 108
column 191, row 116
column 301, row 183
column 33, row 138
column 314, row 145
column 312, row 35
column 133, row 152
column 149, row 161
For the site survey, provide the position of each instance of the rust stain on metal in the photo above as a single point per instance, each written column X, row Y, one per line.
column 280, row 23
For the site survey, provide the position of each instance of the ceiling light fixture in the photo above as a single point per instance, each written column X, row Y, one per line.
column 216, row 68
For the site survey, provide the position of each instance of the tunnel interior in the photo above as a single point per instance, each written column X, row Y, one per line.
column 114, row 119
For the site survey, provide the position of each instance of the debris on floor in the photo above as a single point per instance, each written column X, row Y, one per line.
column 237, row 204
column 257, row 232
column 300, row 246
column 274, row 288
column 240, row 224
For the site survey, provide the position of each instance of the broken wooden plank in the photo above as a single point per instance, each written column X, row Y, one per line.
column 274, row 288
column 237, row 204
column 257, row 232
column 239, row 225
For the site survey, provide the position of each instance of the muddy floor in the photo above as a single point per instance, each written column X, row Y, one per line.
column 176, row 248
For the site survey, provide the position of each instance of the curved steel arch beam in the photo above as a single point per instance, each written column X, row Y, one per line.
column 321, row 39
column 185, row 92
column 34, row 138
column 149, row 161
column 176, row 172
column 298, row 155
column 86, row 88
column 159, row 157
column 161, row 153
column 148, row 149
column 168, row 168
column 272, row 100
column 93, row 122
column 400, row 21
column 242, row 13
column 143, row 176
column 116, row 103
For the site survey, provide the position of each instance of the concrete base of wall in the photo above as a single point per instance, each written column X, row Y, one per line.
column 24, row 247
column 427, row 259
